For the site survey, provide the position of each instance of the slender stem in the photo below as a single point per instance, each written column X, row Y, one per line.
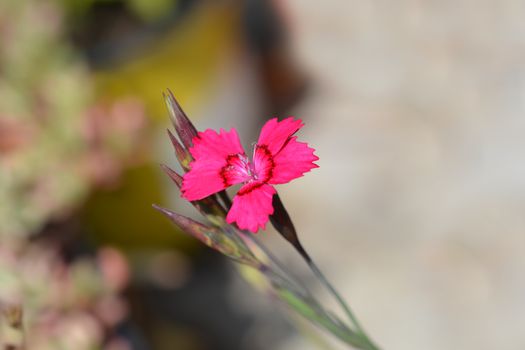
column 281, row 280
column 315, row 269
column 319, row 274
column 363, row 341
column 367, row 342
column 268, row 253
column 276, row 262
column 321, row 317
column 360, row 330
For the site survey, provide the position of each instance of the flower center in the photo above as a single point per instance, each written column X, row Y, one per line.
column 238, row 167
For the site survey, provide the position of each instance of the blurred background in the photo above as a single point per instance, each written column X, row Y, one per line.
column 416, row 110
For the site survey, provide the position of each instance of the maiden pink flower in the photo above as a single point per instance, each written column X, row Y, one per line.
column 220, row 162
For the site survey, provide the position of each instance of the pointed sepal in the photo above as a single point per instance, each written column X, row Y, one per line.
column 183, row 155
column 210, row 207
column 212, row 237
column 283, row 224
column 184, row 127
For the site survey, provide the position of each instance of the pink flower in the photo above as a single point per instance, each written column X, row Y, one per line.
column 220, row 162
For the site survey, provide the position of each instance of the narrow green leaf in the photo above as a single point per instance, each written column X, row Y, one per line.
column 212, row 237
column 317, row 315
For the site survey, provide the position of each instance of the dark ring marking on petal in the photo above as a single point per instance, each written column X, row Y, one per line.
column 224, row 170
column 267, row 152
column 249, row 188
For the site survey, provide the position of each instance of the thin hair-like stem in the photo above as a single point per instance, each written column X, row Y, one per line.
column 346, row 308
column 315, row 269
column 276, row 261
column 283, row 224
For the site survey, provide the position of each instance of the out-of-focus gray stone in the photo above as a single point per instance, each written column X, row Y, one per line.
column 417, row 210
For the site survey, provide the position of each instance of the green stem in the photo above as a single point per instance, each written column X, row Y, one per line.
column 363, row 342
column 358, row 339
column 319, row 274
column 277, row 262
column 315, row 269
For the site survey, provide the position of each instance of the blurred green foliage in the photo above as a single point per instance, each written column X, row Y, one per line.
column 187, row 58
column 45, row 93
column 57, row 144
column 146, row 9
column 123, row 217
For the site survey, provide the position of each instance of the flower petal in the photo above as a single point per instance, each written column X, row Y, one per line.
column 275, row 134
column 210, row 144
column 219, row 163
column 252, row 206
column 294, row 159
